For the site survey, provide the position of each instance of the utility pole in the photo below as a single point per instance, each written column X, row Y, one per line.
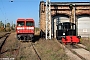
column 48, row 19
column 5, row 25
column 12, row 25
column 74, row 13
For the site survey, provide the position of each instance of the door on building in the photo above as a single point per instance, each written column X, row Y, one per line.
column 84, row 25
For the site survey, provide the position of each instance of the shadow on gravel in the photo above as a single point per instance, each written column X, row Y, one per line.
column 36, row 38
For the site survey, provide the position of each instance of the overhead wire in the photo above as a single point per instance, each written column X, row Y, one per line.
column 3, row 11
column 21, row 1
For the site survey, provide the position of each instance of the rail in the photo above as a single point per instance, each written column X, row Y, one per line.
column 2, row 40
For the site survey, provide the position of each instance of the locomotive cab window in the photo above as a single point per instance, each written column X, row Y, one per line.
column 66, row 26
column 60, row 27
column 29, row 23
column 74, row 27
column 20, row 23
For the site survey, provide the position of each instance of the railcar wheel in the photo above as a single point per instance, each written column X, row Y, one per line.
column 31, row 38
column 18, row 37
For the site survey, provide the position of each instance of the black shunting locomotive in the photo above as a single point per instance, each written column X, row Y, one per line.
column 66, row 32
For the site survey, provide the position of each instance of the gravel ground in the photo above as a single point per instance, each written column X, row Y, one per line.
column 18, row 50
column 50, row 50
column 10, row 48
column 2, row 33
column 86, row 42
column 47, row 49
column 84, row 53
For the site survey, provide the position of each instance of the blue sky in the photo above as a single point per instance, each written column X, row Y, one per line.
column 11, row 11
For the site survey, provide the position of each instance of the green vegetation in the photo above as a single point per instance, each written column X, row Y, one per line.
column 22, row 57
column 6, row 27
column 37, row 31
column 86, row 42
column 50, row 50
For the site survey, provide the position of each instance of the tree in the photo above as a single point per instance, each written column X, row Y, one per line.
column 7, row 28
column 8, row 25
column 1, row 24
column 13, row 27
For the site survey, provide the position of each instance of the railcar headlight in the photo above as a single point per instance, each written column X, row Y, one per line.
column 27, row 28
column 18, row 30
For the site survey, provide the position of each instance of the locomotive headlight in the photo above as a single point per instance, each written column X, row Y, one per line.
column 63, row 33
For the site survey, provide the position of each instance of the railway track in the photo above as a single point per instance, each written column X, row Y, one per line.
column 39, row 58
column 3, row 39
column 30, row 45
column 79, row 52
column 71, row 47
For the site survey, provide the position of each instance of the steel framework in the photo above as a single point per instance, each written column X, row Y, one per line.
column 48, row 19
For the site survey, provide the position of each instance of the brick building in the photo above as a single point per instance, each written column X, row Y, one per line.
column 79, row 14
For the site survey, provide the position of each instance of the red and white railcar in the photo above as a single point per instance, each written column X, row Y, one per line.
column 25, row 29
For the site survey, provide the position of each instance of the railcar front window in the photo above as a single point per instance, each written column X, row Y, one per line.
column 29, row 23
column 20, row 23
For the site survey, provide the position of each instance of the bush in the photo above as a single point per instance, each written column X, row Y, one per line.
column 8, row 29
column 2, row 29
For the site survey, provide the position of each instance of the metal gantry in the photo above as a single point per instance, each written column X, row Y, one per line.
column 48, row 19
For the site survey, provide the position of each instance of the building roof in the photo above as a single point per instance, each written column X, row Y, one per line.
column 68, row 3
